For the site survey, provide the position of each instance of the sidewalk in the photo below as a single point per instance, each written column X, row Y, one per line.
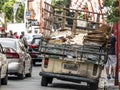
column 108, row 84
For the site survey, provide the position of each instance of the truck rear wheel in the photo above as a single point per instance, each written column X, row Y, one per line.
column 44, row 81
column 94, row 86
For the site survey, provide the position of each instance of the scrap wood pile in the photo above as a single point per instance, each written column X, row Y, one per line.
column 98, row 37
column 95, row 37
column 66, row 36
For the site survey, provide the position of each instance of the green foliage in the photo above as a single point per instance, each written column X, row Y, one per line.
column 59, row 3
column 7, row 8
column 1, row 4
column 113, row 12
column 20, row 13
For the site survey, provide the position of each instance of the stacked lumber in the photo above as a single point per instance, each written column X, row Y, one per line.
column 100, row 36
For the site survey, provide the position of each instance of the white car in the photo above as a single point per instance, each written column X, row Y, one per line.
column 3, row 67
column 19, row 61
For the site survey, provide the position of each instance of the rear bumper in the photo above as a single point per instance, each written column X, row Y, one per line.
column 37, row 59
column 14, row 68
column 70, row 78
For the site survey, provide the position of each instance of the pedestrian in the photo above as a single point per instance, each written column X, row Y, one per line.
column 10, row 34
column 3, row 33
column 24, row 40
column 22, row 35
column 15, row 35
column 111, row 62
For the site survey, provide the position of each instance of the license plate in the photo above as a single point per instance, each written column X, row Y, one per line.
column 71, row 67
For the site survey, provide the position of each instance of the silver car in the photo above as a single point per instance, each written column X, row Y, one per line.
column 3, row 67
column 19, row 61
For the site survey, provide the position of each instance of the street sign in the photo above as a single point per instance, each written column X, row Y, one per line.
column 27, row 13
column 15, row 7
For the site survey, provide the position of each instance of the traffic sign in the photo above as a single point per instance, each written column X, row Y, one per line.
column 27, row 13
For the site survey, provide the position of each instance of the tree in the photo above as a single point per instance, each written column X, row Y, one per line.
column 1, row 4
column 113, row 10
column 7, row 8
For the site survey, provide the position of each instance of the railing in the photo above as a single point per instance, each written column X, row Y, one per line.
column 54, row 20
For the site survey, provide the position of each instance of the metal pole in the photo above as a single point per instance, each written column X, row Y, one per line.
column 41, row 14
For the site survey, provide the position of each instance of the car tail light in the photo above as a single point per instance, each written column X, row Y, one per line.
column 12, row 55
column 33, row 46
column 46, row 61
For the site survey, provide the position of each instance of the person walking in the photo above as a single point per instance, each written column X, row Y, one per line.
column 15, row 35
column 10, row 34
column 22, row 35
column 24, row 40
column 111, row 62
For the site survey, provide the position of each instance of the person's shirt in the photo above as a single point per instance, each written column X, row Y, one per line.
column 24, row 41
column 111, row 48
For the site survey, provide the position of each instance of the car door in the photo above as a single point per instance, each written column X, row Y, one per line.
column 27, row 57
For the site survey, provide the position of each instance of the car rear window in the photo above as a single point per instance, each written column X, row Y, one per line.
column 8, row 43
column 36, row 41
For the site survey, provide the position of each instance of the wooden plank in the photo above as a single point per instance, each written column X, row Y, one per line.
column 63, row 19
column 74, row 23
column 74, row 10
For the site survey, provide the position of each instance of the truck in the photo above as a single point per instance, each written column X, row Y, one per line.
column 73, row 52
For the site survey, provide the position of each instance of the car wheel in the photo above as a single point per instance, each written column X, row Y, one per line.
column 44, row 81
column 22, row 76
column 30, row 72
column 5, row 79
column 34, row 63
column 94, row 86
column 0, row 76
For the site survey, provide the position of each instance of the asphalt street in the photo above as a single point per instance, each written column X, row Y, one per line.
column 33, row 83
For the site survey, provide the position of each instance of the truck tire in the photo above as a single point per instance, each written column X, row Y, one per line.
column 94, row 86
column 44, row 81
column 50, row 80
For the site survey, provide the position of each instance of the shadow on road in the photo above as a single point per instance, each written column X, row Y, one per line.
column 70, row 86
column 15, row 78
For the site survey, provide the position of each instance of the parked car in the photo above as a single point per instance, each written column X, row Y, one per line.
column 19, row 60
column 29, row 37
column 3, row 67
column 34, row 49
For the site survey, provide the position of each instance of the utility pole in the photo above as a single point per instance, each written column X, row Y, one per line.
column 41, row 14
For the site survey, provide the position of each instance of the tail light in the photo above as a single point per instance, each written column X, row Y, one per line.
column 33, row 46
column 46, row 61
column 12, row 55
